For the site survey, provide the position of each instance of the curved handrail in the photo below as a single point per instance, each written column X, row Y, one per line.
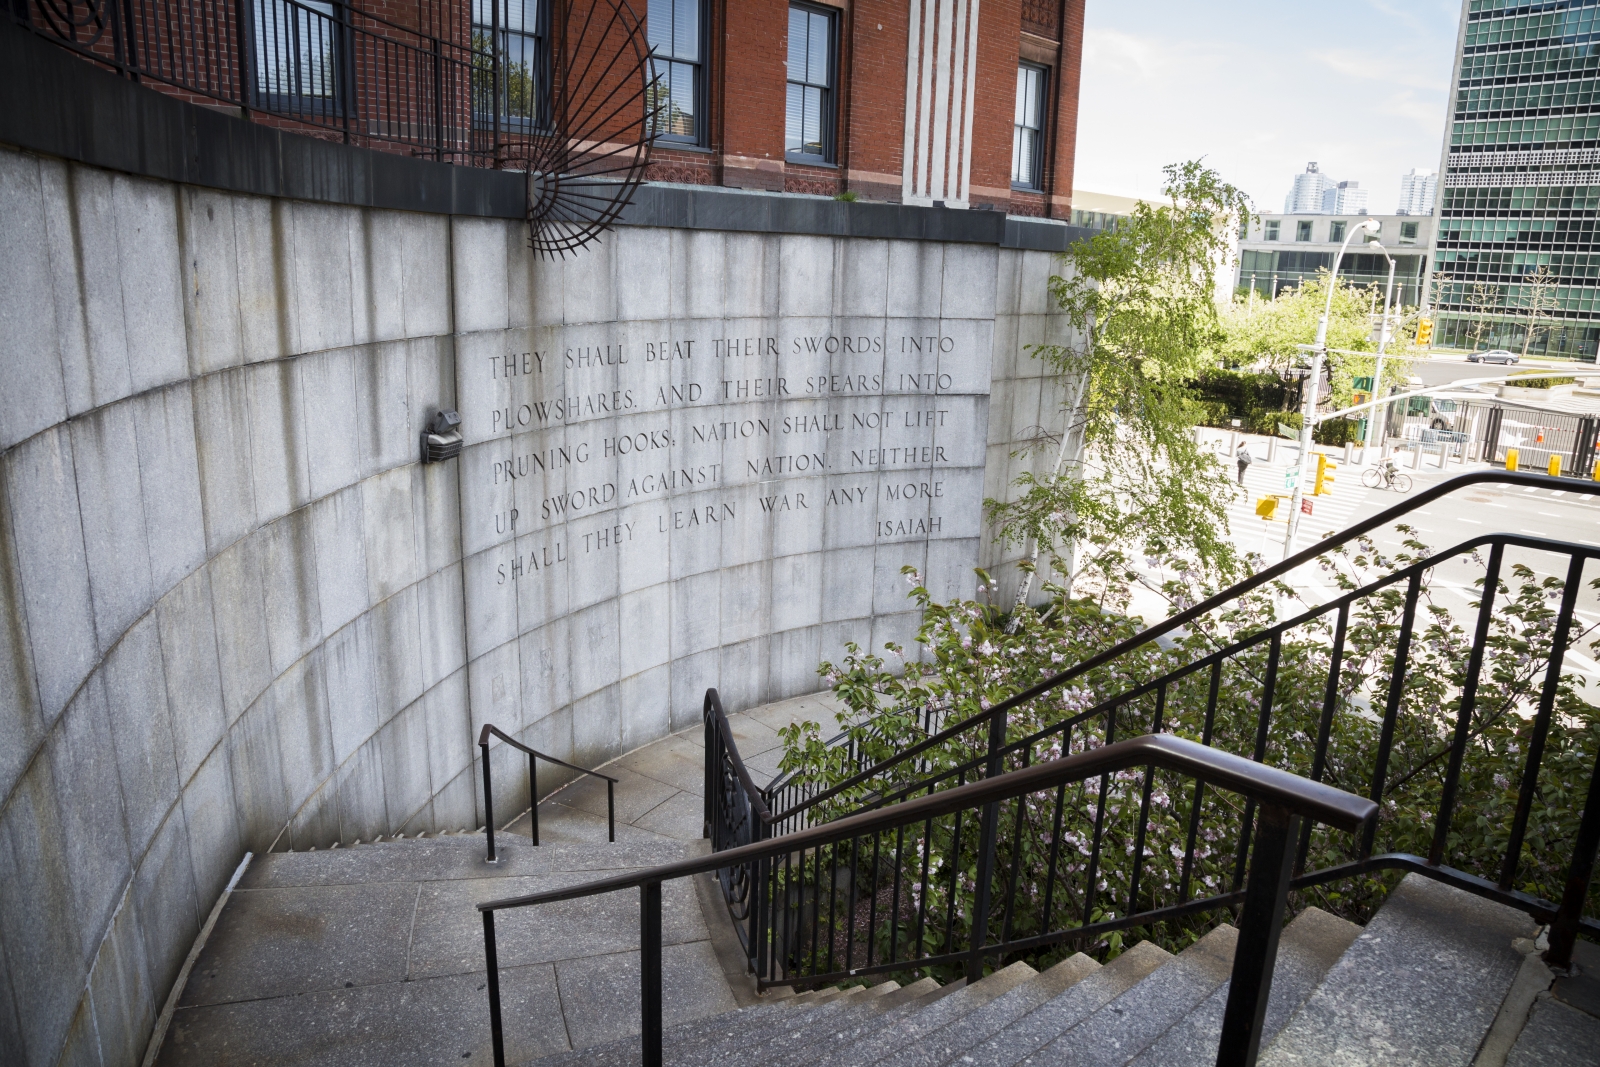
column 1284, row 799
column 489, row 729
column 1184, row 618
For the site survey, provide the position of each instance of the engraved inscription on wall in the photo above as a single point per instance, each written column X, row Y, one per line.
column 587, row 440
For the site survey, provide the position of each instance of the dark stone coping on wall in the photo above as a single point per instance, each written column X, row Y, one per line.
column 56, row 103
column 706, row 207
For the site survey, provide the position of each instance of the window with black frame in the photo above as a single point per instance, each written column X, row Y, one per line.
column 1027, row 134
column 299, row 58
column 676, row 32
column 808, row 125
column 514, row 32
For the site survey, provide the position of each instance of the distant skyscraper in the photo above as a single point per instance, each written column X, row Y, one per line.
column 1519, row 181
column 1307, row 195
column 1346, row 198
column 1417, row 188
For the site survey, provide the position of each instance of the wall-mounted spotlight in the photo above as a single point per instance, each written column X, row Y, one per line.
column 442, row 439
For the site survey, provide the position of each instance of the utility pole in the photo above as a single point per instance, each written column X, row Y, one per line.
column 1383, row 343
column 1308, row 418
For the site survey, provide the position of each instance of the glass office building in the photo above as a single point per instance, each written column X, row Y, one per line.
column 1520, row 186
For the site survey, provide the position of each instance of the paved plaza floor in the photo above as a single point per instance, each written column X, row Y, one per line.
column 373, row 954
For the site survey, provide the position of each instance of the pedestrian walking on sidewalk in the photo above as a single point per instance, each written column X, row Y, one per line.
column 1244, row 459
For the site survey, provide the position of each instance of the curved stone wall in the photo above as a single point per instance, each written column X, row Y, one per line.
column 239, row 614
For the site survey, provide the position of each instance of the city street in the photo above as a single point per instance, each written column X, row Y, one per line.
column 1559, row 513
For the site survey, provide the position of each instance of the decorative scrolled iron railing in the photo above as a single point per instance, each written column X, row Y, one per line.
column 564, row 90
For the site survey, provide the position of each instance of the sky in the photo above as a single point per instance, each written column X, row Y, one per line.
column 1260, row 87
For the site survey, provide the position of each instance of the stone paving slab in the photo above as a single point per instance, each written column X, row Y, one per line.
column 1557, row 1035
column 456, row 857
column 449, row 930
column 276, row 942
column 1421, row 985
column 600, row 994
column 431, row 1021
column 374, row 954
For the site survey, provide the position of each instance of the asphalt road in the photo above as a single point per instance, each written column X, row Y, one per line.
column 1443, row 369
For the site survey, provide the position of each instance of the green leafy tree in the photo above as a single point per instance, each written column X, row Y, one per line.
column 970, row 657
column 1127, row 472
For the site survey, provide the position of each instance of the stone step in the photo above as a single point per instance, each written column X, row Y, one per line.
column 902, row 1004
column 1043, row 1024
column 880, row 1042
column 1420, row 986
column 956, row 1037
column 1308, row 948
column 1124, row 1027
column 1557, row 1035
column 726, row 1035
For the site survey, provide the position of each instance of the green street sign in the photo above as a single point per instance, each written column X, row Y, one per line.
column 1361, row 385
column 1291, row 477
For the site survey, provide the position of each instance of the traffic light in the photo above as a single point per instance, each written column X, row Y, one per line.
column 1267, row 507
column 1324, row 483
column 1424, row 332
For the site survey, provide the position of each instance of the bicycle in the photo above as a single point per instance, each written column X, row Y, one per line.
column 1386, row 477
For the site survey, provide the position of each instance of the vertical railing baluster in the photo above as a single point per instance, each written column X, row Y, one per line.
column 1469, row 704
column 1144, row 806
column 491, row 961
column 1330, row 701
column 1090, row 888
column 1199, row 786
column 1564, row 930
column 1391, row 712
column 1263, row 728
column 244, row 29
column 922, row 894
column 611, row 811
column 1256, row 951
column 850, row 905
column 988, row 831
column 533, row 797
column 650, row 973
column 488, row 801
column 894, row 900
column 1541, row 721
column 1055, row 858
column 872, row 905
column 1012, row 880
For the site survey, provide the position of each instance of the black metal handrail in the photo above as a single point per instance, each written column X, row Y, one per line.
column 906, row 775
column 1284, row 799
column 1185, row 618
column 533, row 785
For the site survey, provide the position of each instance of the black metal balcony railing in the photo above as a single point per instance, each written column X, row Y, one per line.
column 324, row 68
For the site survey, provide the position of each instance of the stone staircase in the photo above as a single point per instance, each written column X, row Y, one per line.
column 1423, row 984
column 374, row 954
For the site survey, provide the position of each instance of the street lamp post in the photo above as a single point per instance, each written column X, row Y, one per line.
column 1308, row 417
column 1383, row 341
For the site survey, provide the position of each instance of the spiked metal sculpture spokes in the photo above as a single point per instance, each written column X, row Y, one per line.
column 591, row 151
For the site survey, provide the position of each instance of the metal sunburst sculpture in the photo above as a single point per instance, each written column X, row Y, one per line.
column 584, row 166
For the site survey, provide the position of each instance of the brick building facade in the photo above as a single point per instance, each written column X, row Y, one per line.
column 923, row 102
column 966, row 103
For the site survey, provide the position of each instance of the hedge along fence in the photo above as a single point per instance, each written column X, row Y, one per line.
column 1260, row 401
column 1263, row 403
